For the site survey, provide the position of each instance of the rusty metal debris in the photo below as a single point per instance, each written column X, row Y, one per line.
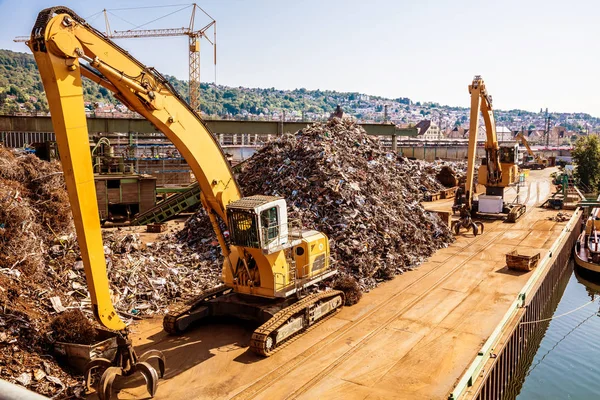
column 73, row 326
column 560, row 217
column 343, row 182
column 41, row 274
column 33, row 213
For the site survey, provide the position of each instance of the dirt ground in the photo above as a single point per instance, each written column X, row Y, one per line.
column 410, row 338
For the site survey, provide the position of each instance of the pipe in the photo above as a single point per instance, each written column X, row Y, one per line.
column 10, row 391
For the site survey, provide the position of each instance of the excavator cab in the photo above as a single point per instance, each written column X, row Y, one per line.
column 509, row 154
column 509, row 159
column 259, row 222
column 259, row 227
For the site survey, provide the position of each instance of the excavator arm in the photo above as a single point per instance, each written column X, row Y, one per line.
column 481, row 102
column 539, row 160
column 66, row 48
column 521, row 137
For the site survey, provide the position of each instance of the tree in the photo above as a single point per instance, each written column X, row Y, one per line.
column 586, row 154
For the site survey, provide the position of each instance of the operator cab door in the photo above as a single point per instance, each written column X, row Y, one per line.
column 273, row 225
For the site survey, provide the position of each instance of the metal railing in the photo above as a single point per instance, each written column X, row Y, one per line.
column 280, row 283
column 272, row 239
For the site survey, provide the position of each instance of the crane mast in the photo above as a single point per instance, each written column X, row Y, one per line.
column 195, row 37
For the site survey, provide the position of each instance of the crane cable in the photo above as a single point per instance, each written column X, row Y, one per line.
column 556, row 344
column 558, row 316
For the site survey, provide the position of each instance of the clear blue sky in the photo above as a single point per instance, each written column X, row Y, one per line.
column 531, row 53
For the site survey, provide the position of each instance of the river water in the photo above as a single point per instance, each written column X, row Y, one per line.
column 567, row 363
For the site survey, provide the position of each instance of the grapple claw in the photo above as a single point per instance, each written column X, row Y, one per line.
column 126, row 363
column 155, row 355
column 97, row 363
column 149, row 374
column 106, row 382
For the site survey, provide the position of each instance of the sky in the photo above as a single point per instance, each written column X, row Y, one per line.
column 532, row 54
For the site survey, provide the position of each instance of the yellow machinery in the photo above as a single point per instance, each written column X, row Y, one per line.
column 269, row 261
column 535, row 161
column 498, row 169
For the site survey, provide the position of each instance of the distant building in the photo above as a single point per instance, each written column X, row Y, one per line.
column 429, row 130
column 503, row 133
column 558, row 132
column 457, row 133
column 536, row 136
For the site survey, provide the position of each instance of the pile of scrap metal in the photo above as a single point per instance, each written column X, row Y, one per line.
column 341, row 181
column 41, row 274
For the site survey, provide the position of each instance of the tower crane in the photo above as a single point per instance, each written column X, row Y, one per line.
column 194, row 34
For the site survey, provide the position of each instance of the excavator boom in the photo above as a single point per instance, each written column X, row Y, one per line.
column 59, row 41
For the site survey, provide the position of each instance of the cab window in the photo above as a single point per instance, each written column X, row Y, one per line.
column 270, row 224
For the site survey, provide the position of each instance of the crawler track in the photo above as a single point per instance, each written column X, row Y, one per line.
column 263, row 339
column 179, row 310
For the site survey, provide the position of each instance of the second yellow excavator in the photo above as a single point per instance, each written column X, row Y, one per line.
column 498, row 169
column 270, row 262
column 534, row 161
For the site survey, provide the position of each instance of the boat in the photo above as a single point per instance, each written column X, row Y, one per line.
column 587, row 248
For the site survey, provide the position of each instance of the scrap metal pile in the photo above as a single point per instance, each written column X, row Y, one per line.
column 341, row 181
column 41, row 274
column 34, row 213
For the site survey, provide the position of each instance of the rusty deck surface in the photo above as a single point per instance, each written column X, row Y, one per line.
column 411, row 338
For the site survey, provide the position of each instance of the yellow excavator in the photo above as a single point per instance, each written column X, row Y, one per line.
column 534, row 161
column 270, row 262
column 498, row 168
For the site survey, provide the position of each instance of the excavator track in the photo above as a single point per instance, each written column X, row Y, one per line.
column 181, row 309
column 515, row 213
column 294, row 320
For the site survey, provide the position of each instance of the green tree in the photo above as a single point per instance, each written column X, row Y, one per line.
column 586, row 155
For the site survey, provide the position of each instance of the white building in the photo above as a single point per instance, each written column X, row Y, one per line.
column 429, row 130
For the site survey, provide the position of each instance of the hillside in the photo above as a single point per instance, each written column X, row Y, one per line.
column 21, row 91
column 21, row 88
